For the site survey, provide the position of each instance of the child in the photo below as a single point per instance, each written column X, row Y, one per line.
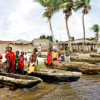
column 21, row 63
column 25, row 58
column 32, row 66
column 54, row 55
column 59, row 58
column 68, row 55
column 34, row 56
column 8, row 64
column 16, row 60
column 49, row 59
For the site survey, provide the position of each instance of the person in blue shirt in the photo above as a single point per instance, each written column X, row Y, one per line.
column 68, row 52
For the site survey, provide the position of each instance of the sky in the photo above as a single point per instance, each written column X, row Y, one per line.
column 22, row 19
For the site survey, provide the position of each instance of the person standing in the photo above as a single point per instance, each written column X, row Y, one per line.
column 12, row 59
column 68, row 55
column 39, row 50
column 0, row 58
column 25, row 56
column 62, row 54
column 16, row 60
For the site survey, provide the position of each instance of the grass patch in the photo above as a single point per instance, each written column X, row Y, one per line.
column 41, row 66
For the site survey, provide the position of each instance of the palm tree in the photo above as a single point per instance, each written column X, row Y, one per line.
column 85, row 4
column 68, row 6
column 96, row 29
column 49, row 11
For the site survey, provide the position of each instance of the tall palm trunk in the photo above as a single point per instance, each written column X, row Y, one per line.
column 70, row 47
column 83, row 31
column 49, row 19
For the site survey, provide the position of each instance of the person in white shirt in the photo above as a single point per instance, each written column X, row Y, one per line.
column 39, row 50
column 25, row 56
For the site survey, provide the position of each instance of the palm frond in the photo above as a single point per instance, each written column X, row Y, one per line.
column 95, row 28
column 65, row 5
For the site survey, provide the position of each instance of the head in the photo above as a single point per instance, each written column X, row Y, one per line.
column 25, row 53
column 8, row 58
column 59, row 55
column 62, row 48
column 54, row 50
column 67, row 48
column 10, row 49
column 40, row 45
column 22, row 53
column 7, row 48
column 17, row 53
column 49, row 51
column 34, row 51
column 31, row 59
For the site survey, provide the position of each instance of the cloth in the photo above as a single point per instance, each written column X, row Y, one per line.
column 39, row 48
column 68, row 53
column 58, row 60
column 62, row 58
column 25, row 56
column 12, row 59
column 54, row 55
column 39, row 53
column 62, row 51
column 54, row 58
column 16, row 58
column 0, row 56
column 21, row 62
column 31, row 68
column 68, row 58
column 49, row 59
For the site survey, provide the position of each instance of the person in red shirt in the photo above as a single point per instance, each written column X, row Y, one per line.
column 21, row 63
column 12, row 59
column 0, row 58
column 49, row 59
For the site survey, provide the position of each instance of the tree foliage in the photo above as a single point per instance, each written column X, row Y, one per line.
column 90, row 38
column 95, row 28
column 72, row 38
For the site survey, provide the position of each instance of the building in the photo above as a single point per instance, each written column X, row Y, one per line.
column 26, row 46
column 90, row 45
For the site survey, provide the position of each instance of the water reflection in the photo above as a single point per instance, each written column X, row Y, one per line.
column 87, row 88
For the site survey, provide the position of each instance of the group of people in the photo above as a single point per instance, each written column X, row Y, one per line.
column 58, row 57
column 15, row 62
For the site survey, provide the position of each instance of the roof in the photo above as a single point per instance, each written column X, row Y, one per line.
column 20, row 41
column 5, row 42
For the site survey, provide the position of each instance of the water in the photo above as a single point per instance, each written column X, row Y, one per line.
column 86, row 88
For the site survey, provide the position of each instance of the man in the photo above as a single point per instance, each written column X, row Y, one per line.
column 39, row 50
column 62, row 54
column 12, row 58
column 0, row 58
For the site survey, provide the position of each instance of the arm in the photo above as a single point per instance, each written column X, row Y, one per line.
column 4, row 64
column 37, row 60
column 30, row 57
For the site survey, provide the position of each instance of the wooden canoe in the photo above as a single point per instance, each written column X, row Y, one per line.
column 19, row 81
column 85, row 59
column 83, row 67
column 57, row 75
column 95, row 55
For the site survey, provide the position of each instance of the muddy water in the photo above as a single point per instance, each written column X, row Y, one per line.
column 86, row 88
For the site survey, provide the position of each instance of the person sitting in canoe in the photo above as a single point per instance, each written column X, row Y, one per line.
column 32, row 66
column 59, row 58
column 55, row 55
column 49, row 59
column 8, row 64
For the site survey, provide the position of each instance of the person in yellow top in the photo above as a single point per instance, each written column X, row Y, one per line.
column 32, row 67
column 55, row 55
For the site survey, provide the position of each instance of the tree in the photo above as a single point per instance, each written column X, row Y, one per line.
column 72, row 38
column 68, row 6
column 42, row 37
column 96, row 29
column 85, row 4
column 57, row 41
column 48, row 12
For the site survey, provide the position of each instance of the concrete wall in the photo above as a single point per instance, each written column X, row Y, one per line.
column 25, row 48
column 3, row 47
column 45, row 44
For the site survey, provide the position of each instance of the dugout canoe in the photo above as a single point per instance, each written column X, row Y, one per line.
column 95, row 55
column 19, row 81
column 83, row 67
column 53, row 75
column 85, row 59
